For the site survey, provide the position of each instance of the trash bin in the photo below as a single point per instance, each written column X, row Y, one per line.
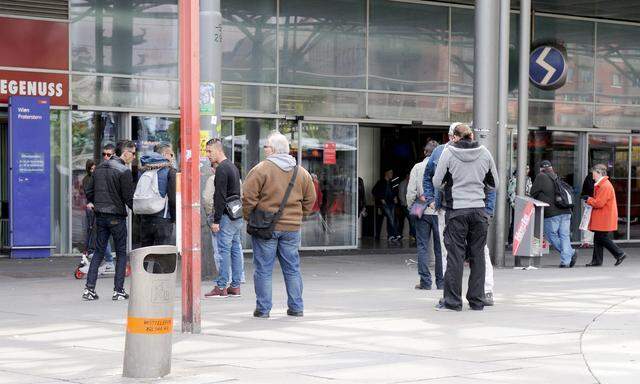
column 147, row 351
column 528, row 232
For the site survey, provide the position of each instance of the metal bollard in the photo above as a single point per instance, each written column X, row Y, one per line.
column 147, row 351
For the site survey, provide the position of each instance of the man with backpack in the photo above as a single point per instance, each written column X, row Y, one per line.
column 550, row 189
column 154, row 200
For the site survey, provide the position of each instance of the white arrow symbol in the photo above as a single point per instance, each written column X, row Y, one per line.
column 550, row 70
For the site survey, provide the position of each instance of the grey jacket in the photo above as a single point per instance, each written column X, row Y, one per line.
column 465, row 172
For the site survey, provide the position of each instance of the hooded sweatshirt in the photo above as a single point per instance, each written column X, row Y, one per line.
column 466, row 172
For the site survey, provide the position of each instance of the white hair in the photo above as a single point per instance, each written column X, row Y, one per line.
column 278, row 142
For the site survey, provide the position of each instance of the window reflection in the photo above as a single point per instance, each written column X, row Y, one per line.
column 618, row 63
column 249, row 43
column 120, row 37
column 322, row 43
column 408, row 47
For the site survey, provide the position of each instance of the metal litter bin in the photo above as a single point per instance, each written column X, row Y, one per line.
column 528, row 232
column 147, row 351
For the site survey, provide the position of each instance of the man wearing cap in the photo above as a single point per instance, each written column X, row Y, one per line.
column 557, row 221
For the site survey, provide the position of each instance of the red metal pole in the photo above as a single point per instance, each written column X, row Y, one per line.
column 188, row 15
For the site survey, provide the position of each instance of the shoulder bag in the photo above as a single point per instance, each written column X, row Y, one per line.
column 262, row 223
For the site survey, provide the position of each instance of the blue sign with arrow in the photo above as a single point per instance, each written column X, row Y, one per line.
column 548, row 67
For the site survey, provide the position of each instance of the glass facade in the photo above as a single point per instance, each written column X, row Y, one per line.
column 366, row 60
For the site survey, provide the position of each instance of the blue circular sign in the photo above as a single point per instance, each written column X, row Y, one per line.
column 547, row 67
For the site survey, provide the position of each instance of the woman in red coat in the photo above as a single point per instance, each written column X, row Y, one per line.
column 604, row 217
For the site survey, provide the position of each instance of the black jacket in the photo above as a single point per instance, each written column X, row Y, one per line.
column 227, row 184
column 588, row 186
column 543, row 189
column 111, row 188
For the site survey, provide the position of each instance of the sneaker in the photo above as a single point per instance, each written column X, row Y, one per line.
column 620, row 259
column 120, row 295
column 563, row 266
column 291, row 312
column 217, row 293
column 262, row 315
column 234, row 292
column 423, row 287
column 109, row 267
column 89, row 294
column 442, row 307
column 488, row 299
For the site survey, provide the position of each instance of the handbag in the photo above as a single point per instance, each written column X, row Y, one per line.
column 262, row 223
column 417, row 209
column 233, row 206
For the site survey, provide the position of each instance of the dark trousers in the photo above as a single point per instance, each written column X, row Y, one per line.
column 465, row 234
column 603, row 240
column 155, row 230
column 116, row 226
column 386, row 211
column 403, row 215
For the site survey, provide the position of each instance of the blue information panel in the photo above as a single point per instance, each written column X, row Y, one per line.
column 30, row 183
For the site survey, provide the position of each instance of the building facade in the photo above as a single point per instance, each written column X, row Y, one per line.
column 358, row 86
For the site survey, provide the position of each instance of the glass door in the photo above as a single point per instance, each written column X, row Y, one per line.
column 614, row 152
column 634, row 188
column 329, row 152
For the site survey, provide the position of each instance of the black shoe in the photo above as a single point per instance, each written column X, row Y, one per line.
column 423, row 287
column 442, row 307
column 592, row 264
column 574, row 258
column 488, row 299
column 563, row 266
column 89, row 294
column 262, row 315
column 293, row 313
column 476, row 308
column 620, row 259
column 120, row 295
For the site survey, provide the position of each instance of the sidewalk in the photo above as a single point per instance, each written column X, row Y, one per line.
column 364, row 323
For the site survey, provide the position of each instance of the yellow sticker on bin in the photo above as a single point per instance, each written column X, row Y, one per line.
column 149, row 326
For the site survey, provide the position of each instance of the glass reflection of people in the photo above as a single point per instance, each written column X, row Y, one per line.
column 362, row 200
column 385, row 203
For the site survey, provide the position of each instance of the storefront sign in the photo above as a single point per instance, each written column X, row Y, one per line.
column 19, row 83
column 329, row 156
column 548, row 67
column 34, row 55
column 30, row 183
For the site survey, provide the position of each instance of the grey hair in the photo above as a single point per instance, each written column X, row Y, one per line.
column 278, row 142
column 600, row 169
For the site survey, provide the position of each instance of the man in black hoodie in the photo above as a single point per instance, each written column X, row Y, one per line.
column 111, row 192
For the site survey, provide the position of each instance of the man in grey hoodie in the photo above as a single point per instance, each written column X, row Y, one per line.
column 465, row 172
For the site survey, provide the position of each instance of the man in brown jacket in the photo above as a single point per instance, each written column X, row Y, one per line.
column 264, row 189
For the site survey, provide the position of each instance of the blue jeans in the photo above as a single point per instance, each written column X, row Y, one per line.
column 116, row 226
column 557, row 231
column 284, row 246
column 216, row 254
column 230, row 252
column 427, row 226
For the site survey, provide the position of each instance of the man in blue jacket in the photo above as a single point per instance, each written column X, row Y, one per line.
column 435, row 200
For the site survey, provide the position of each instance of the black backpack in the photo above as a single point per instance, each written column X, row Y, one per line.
column 563, row 193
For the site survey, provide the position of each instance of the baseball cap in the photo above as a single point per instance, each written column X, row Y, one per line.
column 545, row 164
column 453, row 126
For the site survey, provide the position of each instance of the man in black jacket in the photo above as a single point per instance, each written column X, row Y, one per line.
column 111, row 192
column 557, row 221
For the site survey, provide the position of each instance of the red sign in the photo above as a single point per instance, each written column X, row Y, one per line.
column 522, row 227
column 20, row 83
column 329, row 156
column 34, row 44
